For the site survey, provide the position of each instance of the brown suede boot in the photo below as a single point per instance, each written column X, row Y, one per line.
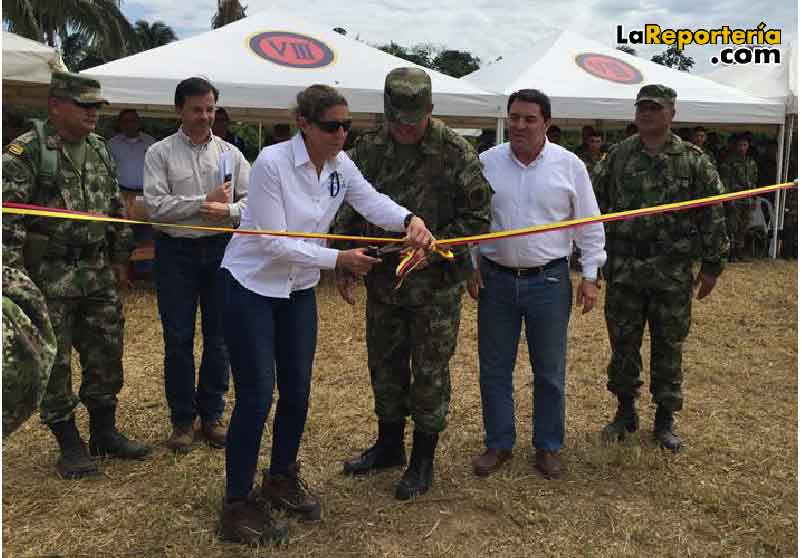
column 214, row 432
column 289, row 492
column 181, row 439
column 249, row 522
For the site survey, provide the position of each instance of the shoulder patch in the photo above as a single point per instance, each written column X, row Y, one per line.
column 16, row 149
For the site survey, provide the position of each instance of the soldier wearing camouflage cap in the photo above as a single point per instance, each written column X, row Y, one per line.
column 412, row 331
column 76, row 264
column 649, row 263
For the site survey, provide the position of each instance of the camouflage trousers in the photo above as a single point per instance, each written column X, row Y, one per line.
column 660, row 293
column 409, row 348
column 738, row 215
column 93, row 324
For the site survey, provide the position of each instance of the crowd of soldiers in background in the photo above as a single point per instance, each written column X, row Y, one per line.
column 749, row 222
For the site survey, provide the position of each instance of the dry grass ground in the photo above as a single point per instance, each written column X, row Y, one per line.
column 731, row 492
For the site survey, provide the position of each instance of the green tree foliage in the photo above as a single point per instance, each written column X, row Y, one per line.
column 100, row 23
column 674, row 58
column 456, row 63
column 227, row 12
column 626, row 48
column 152, row 35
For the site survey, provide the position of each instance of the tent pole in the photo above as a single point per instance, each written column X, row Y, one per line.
column 786, row 164
column 260, row 135
column 780, row 152
column 499, row 131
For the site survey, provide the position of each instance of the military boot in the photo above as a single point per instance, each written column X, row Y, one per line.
column 290, row 493
column 387, row 452
column 417, row 479
column 74, row 461
column 625, row 420
column 106, row 440
column 664, row 430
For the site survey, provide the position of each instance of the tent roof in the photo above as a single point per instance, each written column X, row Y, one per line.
column 566, row 66
column 256, row 87
column 773, row 81
column 27, row 60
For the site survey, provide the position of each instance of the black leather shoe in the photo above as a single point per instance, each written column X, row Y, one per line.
column 106, row 440
column 417, row 478
column 386, row 453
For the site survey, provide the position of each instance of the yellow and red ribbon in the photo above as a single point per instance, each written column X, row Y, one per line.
column 411, row 259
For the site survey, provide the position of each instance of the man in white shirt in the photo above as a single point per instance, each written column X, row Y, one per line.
column 536, row 182
column 128, row 150
column 193, row 178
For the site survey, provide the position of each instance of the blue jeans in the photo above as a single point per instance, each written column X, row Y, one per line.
column 271, row 341
column 544, row 302
column 185, row 273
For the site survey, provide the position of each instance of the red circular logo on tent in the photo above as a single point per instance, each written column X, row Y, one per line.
column 291, row 49
column 609, row 68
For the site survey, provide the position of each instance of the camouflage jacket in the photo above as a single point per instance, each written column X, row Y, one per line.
column 439, row 180
column 29, row 348
column 29, row 178
column 738, row 174
column 590, row 161
column 632, row 178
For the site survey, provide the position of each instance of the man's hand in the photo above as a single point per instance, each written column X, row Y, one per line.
column 705, row 283
column 355, row 261
column 346, row 284
column 418, row 236
column 121, row 274
column 215, row 211
column 587, row 292
column 221, row 194
column 475, row 284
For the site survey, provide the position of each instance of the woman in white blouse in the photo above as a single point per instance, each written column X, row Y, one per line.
column 270, row 313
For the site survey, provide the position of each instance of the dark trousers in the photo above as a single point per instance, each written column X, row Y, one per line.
column 186, row 273
column 271, row 341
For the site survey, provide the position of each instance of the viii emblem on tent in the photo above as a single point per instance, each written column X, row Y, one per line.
column 609, row 68
column 291, row 49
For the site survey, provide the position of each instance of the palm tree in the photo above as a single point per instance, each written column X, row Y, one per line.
column 100, row 22
column 152, row 35
column 228, row 11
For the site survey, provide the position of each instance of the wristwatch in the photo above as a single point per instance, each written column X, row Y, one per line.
column 408, row 219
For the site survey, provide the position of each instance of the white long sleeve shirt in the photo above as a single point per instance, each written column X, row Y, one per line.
column 179, row 175
column 554, row 187
column 285, row 194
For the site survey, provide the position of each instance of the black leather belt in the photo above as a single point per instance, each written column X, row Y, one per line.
column 524, row 271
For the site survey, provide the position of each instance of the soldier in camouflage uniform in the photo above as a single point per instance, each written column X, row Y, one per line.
column 62, row 164
column 739, row 172
column 592, row 153
column 29, row 347
column 412, row 332
column 649, row 260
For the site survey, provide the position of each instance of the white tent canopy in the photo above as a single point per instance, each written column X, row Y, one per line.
column 777, row 82
column 261, row 62
column 27, row 60
column 27, row 66
column 567, row 67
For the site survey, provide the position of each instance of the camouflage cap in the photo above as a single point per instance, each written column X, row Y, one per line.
column 81, row 89
column 656, row 93
column 407, row 95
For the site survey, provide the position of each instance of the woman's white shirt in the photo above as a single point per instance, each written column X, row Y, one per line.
column 285, row 194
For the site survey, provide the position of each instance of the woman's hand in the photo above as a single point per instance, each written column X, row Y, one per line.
column 356, row 261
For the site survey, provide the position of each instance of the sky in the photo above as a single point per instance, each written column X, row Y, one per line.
column 489, row 29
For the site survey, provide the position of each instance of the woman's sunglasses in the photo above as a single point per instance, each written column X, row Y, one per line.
column 331, row 126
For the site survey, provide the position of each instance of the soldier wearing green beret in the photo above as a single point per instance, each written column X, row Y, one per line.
column 648, row 269
column 412, row 331
column 76, row 264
